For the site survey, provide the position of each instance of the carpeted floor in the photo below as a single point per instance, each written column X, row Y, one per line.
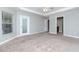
column 43, row 42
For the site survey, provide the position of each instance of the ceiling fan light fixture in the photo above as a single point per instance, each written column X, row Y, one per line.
column 45, row 9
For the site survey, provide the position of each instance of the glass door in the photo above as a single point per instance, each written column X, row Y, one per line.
column 24, row 25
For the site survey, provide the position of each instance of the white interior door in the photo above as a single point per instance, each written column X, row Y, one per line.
column 24, row 25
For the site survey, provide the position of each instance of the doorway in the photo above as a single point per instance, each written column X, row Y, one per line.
column 60, row 25
column 48, row 25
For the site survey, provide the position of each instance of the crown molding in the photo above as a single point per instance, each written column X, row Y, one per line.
column 61, row 10
column 29, row 10
column 47, row 14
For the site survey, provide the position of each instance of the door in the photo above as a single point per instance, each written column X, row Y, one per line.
column 24, row 25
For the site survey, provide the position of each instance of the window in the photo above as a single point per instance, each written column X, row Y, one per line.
column 6, row 23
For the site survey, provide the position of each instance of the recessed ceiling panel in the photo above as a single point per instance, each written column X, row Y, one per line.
column 41, row 9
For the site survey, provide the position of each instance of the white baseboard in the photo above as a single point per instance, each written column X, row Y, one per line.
column 71, row 36
column 9, row 39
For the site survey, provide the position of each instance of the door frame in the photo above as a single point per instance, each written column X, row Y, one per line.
column 28, row 24
column 62, row 24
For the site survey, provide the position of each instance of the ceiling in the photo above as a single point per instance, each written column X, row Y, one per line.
column 40, row 9
column 49, row 10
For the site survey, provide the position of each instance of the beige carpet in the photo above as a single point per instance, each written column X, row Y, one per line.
column 43, row 42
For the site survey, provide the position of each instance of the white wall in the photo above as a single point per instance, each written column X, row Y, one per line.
column 46, row 25
column 37, row 22
column 53, row 24
column 71, row 22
